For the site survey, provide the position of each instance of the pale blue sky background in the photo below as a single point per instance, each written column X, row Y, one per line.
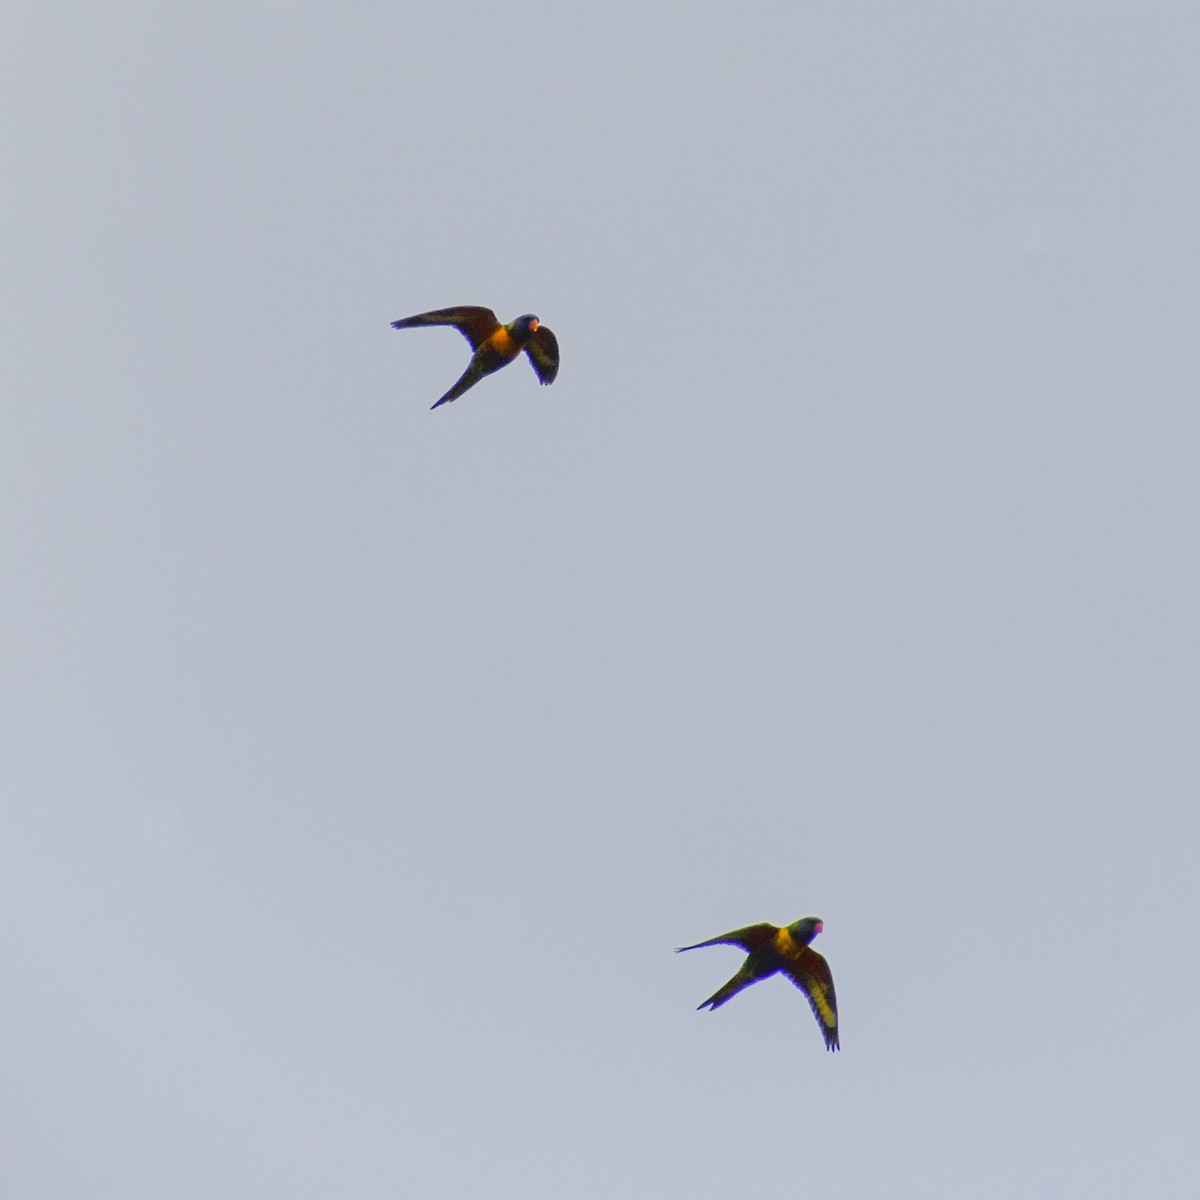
column 364, row 764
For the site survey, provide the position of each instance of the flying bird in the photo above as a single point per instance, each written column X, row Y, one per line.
column 771, row 948
column 494, row 344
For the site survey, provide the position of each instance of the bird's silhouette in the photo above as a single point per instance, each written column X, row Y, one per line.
column 494, row 345
column 771, row 948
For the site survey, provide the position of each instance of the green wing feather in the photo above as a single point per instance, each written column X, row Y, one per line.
column 810, row 973
column 474, row 323
column 542, row 349
column 750, row 938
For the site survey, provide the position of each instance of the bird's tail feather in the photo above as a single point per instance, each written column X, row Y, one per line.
column 743, row 979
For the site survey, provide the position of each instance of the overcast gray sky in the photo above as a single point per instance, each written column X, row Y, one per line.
column 363, row 764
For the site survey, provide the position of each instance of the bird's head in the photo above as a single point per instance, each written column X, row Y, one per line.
column 807, row 928
column 523, row 328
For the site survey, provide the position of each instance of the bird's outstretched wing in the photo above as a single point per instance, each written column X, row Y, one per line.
column 810, row 973
column 750, row 938
column 474, row 323
column 542, row 349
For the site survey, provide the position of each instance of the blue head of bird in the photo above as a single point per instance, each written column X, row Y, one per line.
column 807, row 928
column 523, row 328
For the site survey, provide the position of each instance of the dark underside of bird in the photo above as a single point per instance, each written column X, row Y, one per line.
column 493, row 345
column 773, row 948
